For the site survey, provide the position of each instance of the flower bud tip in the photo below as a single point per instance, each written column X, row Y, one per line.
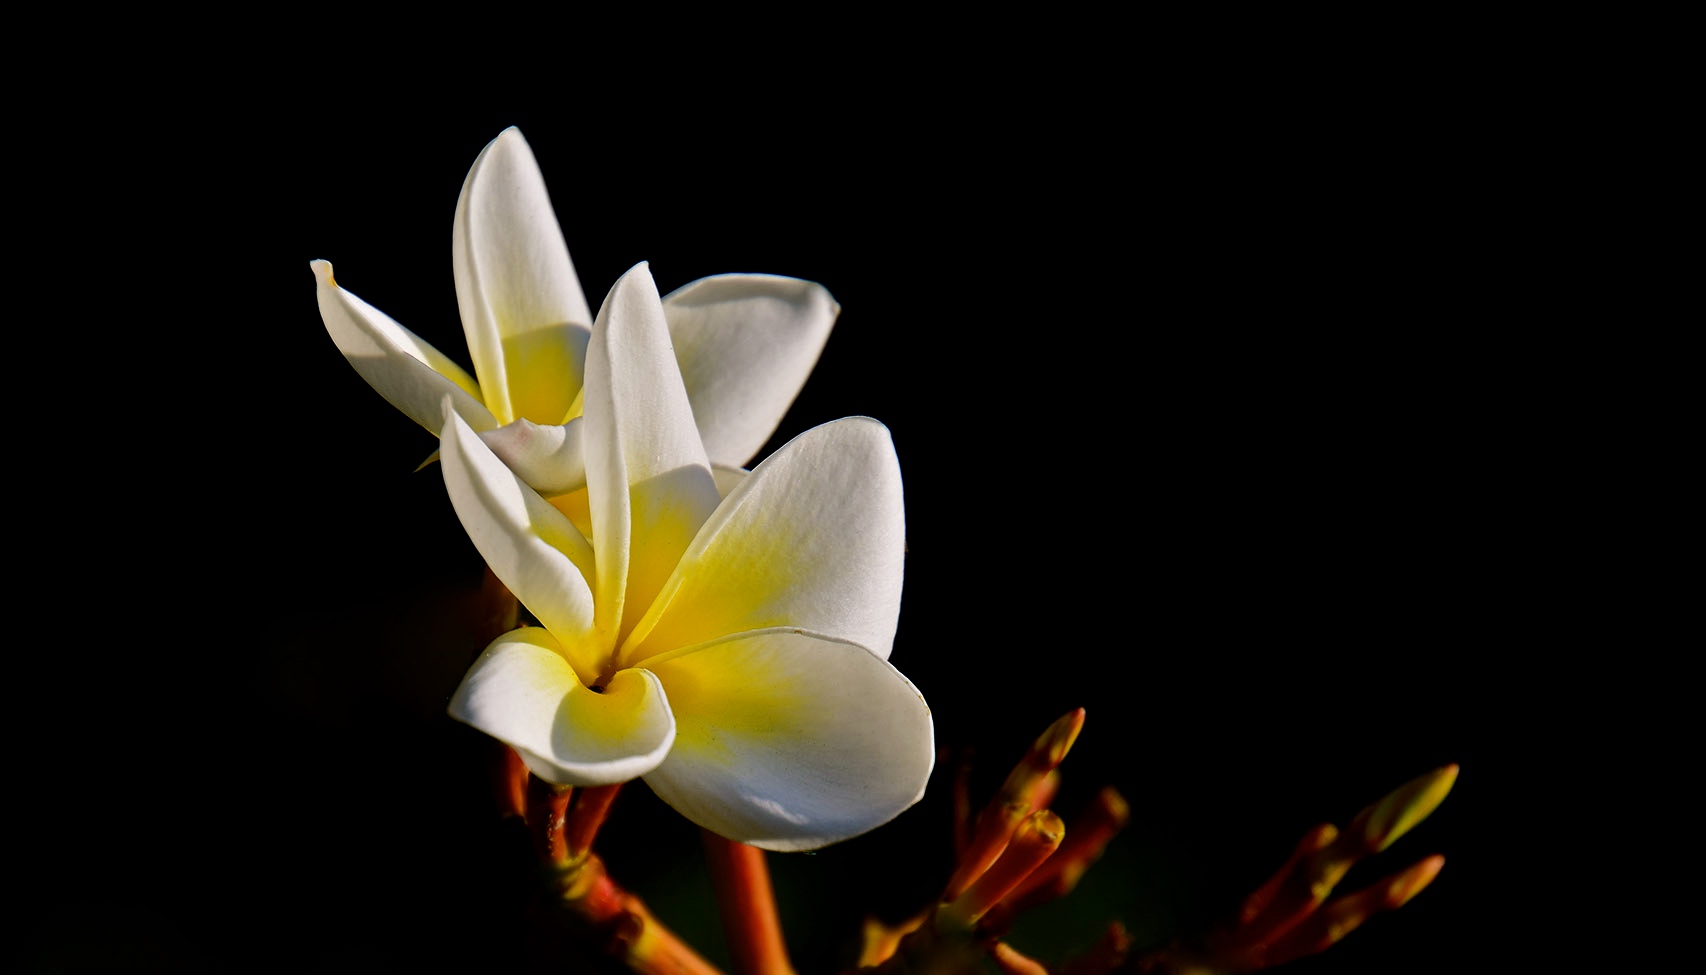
column 1381, row 824
column 1058, row 739
column 1114, row 806
column 1411, row 882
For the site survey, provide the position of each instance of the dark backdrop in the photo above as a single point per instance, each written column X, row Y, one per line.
column 1201, row 398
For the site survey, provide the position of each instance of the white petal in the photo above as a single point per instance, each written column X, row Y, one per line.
column 548, row 458
column 815, row 537
column 791, row 742
column 649, row 486
column 531, row 547
column 411, row 374
column 522, row 691
column 728, row 478
column 746, row 343
column 522, row 307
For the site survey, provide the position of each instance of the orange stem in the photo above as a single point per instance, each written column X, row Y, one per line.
column 509, row 778
column 748, row 907
column 629, row 932
column 591, row 806
column 547, row 810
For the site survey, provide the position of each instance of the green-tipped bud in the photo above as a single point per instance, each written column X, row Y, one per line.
column 1031, row 776
column 1057, row 740
column 1378, row 826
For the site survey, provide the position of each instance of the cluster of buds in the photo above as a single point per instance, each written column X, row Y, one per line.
column 1017, row 854
column 1013, row 855
column 1293, row 913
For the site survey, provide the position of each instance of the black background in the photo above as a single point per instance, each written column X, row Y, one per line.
column 1208, row 399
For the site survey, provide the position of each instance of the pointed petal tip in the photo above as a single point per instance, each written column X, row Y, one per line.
column 509, row 138
column 636, row 280
column 323, row 272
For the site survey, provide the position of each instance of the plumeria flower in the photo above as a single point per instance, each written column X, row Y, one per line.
column 732, row 652
column 746, row 342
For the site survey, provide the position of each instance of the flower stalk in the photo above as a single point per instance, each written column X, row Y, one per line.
column 563, row 822
column 547, row 812
column 747, row 905
column 592, row 805
column 621, row 924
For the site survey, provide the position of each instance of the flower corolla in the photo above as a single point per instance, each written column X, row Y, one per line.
column 731, row 651
column 746, row 342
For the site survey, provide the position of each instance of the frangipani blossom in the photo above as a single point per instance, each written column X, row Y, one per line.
column 730, row 651
column 746, row 342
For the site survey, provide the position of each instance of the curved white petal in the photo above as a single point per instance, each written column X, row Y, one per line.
column 649, row 486
column 523, row 692
column 406, row 370
column 548, row 458
column 522, row 307
column 531, row 547
column 815, row 537
column 788, row 741
column 746, row 343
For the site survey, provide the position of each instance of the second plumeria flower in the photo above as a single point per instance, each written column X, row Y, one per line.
column 732, row 652
column 746, row 342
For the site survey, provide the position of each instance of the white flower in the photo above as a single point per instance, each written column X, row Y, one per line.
column 746, row 342
column 733, row 652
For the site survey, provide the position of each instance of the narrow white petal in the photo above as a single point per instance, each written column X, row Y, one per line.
column 649, row 486
column 746, row 343
column 814, row 537
column 790, row 742
column 548, row 458
column 522, row 307
column 531, row 547
column 406, row 370
column 522, row 691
